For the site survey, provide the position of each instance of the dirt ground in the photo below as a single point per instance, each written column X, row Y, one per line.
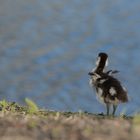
column 64, row 126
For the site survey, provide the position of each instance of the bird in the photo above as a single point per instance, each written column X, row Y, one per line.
column 109, row 89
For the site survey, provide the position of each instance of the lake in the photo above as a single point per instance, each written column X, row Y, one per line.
column 48, row 47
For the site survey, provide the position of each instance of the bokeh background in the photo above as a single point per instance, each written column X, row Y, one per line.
column 47, row 48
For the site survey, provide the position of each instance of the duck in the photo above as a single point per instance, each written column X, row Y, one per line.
column 109, row 89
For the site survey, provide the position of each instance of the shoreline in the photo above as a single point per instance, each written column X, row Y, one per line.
column 31, row 123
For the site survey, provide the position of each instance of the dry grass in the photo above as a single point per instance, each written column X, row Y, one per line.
column 18, row 123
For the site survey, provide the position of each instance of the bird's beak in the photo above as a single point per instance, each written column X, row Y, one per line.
column 90, row 73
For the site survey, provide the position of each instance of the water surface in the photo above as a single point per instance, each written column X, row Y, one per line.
column 48, row 47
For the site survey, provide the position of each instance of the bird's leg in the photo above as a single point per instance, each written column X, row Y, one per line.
column 114, row 109
column 107, row 109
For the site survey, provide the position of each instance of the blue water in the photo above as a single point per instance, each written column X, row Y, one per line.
column 48, row 47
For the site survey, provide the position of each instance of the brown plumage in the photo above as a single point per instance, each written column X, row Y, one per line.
column 101, row 62
column 108, row 89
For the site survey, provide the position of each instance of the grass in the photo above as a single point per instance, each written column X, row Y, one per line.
column 31, row 108
column 31, row 123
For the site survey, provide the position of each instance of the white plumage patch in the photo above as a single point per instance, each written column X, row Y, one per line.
column 102, row 81
column 99, row 95
column 98, row 60
column 124, row 88
column 100, row 91
column 91, row 82
column 112, row 91
column 106, row 63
